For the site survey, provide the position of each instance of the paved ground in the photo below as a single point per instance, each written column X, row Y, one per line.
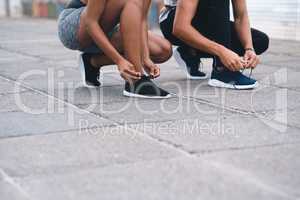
column 59, row 140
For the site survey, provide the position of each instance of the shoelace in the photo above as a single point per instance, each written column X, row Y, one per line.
column 251, row 71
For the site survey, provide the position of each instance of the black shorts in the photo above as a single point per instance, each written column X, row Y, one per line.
column 166, row 21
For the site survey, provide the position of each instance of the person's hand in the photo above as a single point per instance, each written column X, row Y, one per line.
column 231, row 60
column 252, row 60
column 127, row 71
column 152, row 69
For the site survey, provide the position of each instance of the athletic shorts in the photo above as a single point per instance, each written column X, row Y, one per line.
column 166, row 21
column 68, row 26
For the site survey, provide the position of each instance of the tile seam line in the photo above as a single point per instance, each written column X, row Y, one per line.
column 235, row 110
column 69, row 131
column 235, row 149
column 14, row 184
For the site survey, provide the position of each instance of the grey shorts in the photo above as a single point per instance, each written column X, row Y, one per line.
column 68, row 26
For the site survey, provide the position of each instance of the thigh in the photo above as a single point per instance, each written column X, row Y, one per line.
column 109, row 19
column 158, row 44
column 260, row 41
column 68, row 24
column 155, row 41
column 166, row 26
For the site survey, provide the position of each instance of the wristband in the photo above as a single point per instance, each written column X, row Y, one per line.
column 249, row 49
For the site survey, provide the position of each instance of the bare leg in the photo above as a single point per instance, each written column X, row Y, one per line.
column 130, row 14
column 160, row 50
column 131, row 26
column 129, row 11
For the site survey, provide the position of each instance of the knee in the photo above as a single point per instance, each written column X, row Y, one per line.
column 137, row 3
column 164, row 52
column 262, row 43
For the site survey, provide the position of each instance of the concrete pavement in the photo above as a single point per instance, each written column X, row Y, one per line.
column 59, row 140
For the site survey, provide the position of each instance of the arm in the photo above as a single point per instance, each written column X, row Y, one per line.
column 93, row 13
column 241, row 22
column 146, row 54
column 183, row 29
column 149, row 66
column 92, row 16
column 242, row 27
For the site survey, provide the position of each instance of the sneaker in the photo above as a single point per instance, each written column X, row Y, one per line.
column 89, row 74
column 231, row 80
column 190, row 65
column 145, row 88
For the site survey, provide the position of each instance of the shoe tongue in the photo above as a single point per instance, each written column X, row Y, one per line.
column 144, row 79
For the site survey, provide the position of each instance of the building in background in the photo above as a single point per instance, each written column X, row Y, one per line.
column 279, row 18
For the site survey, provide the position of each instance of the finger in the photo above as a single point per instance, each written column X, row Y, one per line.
column 230, row 67
column 131, row 77
column 125, row 78
column 243, row 63
column 252, row 61
column 246, row 61
column 132, row 73
column 238, row 65
column 156, row 72
column 152, row 72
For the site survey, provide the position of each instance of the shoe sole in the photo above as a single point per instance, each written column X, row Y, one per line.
column 129, row 94
column 182, row 64
column 82, row 72
column 220, row 84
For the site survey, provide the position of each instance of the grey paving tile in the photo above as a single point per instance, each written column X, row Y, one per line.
column 8, row 192
column 72, row 152
column 284, row 116
column 219, row 132
column 7, row 87
column 292, row 82
column 292, row 64
column 38, row 70
column 47, row 120
column 284, row 47
column 71, row 89
column 102, row 95
column 23, row 101
column 266, row 97
column 158, row 179
column 274, row 57
column 277, row 165
column 146, row 110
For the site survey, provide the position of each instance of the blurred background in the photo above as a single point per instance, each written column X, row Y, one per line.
column 279, row 18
